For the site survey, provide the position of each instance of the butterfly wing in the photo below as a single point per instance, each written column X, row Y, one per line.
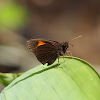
column 45, row 51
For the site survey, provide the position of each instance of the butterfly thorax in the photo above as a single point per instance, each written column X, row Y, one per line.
column 62, row 47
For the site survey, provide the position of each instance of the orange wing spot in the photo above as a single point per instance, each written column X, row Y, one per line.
column 41, row 43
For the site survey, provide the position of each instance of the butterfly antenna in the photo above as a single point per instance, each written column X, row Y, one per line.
column 77, row 37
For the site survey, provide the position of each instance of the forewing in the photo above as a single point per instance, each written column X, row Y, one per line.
column 33, row 43
column 45, row 50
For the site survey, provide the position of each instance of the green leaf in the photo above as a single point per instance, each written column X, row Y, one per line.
column 77, row 80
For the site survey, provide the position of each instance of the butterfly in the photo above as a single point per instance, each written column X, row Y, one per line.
column 47, row 51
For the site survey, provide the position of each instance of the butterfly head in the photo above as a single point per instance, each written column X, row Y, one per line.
column 65, row 45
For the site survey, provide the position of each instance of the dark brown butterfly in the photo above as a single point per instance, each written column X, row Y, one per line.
column 47, row 51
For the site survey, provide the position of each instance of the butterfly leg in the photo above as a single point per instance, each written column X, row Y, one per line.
column 64, row 59
column 69, row 53
column 58, row 60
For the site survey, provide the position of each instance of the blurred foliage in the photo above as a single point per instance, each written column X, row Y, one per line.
column 13, row 15
column 7, row 78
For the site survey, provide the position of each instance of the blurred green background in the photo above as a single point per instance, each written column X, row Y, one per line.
column 59, row 20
